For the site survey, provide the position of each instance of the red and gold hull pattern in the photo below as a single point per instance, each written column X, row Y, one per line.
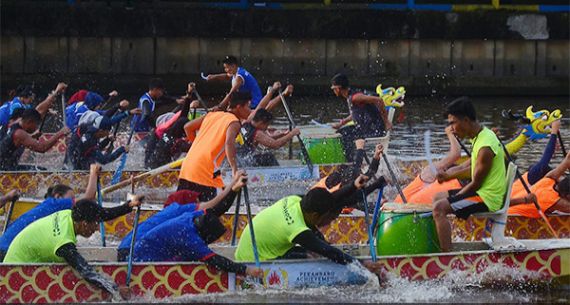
column 58, row 283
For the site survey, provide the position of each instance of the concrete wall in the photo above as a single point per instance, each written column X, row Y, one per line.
column 422, row 63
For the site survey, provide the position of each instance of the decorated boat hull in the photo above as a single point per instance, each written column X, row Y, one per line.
column 351, row 229
column 58, row 283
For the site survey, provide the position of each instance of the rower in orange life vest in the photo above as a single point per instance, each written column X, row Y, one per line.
column 200, row 171
column 551, row 192
column 369, row 115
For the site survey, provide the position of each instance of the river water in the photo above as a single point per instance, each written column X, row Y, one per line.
column 418, row 115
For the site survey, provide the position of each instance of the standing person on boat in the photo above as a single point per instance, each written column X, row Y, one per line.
column 242, row 81
column 8, row 197
column 200, row 170
column 486, row 190
column 186, row 237
column 145, row 121
column 168, row 140
column 294, row 220
column 551, row 192
column 53, row 239
column 18, row 137
column 85, row 147
column 368, row 113
column 58, row 197
column 24, row 100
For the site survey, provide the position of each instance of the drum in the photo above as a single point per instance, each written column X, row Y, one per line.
column 402, row 230
column 325, row 149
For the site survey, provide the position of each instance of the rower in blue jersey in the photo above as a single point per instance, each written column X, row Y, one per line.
column 185, row 237
column 242, row 81
column 147, row 102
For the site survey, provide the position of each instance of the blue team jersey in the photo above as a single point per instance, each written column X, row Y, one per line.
column 174, row 240
column 8, row 108
column 172, row 211
column 46, row 208
column 137, row 122
column 249, row 85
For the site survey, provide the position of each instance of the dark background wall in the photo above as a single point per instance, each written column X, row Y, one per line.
column 106, row 44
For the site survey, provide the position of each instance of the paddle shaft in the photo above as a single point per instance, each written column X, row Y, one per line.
column 463, row 146
column 393, row 175
column 292, row 124
column 117, row 175
column 133, row 239
column 527, row 189
column 100, row 202
column 375, row 216
column 236, row 219
column 368, row 226
column 561, row 144
column 112, row 143
column 250, row 222
column 9, row 214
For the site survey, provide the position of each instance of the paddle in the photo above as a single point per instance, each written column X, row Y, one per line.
column 111, row 146
column 303, row 148
column 527, row 189
column 561, row 144
column 140, row 177
column 236, row 219
column 117, row 176
column 372, row 228
column 250, row 221
column 462, row 146
column 100, row 202
column 393, row 175
column 133, row 238
column 368, row 225
column 65, row 125
column 9, row 213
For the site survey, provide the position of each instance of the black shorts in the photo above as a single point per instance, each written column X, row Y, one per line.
column 206, row 192
column 465, row 205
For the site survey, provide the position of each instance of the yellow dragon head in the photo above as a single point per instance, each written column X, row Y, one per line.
column 538, row 123
column 392, row 97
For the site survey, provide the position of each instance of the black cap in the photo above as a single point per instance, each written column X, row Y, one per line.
column 209, row 227
column 25, row 91
column 317, row 200
column 87, row 210
column 340, row 80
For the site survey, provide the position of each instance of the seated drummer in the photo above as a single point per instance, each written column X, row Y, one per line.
column 368, row 113
column 551, row 192
column 294, row 220
column 53, row 239
column 186, row 237
column 486, row 190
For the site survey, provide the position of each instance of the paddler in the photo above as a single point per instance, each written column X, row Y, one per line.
column 18, row 137
column 345, row 176
column 25, row 98
column 53, row 239
column 57, row 198
column 87, row 145
column 242, row 81
column 551, row 192
column 200, row 171
column 147, row 103
column 486, row 190
column 294, row 220
column 368, row 113
column 90, row 102
column 186, row 237
column 168, row 140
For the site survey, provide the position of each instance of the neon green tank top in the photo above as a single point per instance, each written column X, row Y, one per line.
column 39, row 241
column 494, row 186
column 275, row 228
